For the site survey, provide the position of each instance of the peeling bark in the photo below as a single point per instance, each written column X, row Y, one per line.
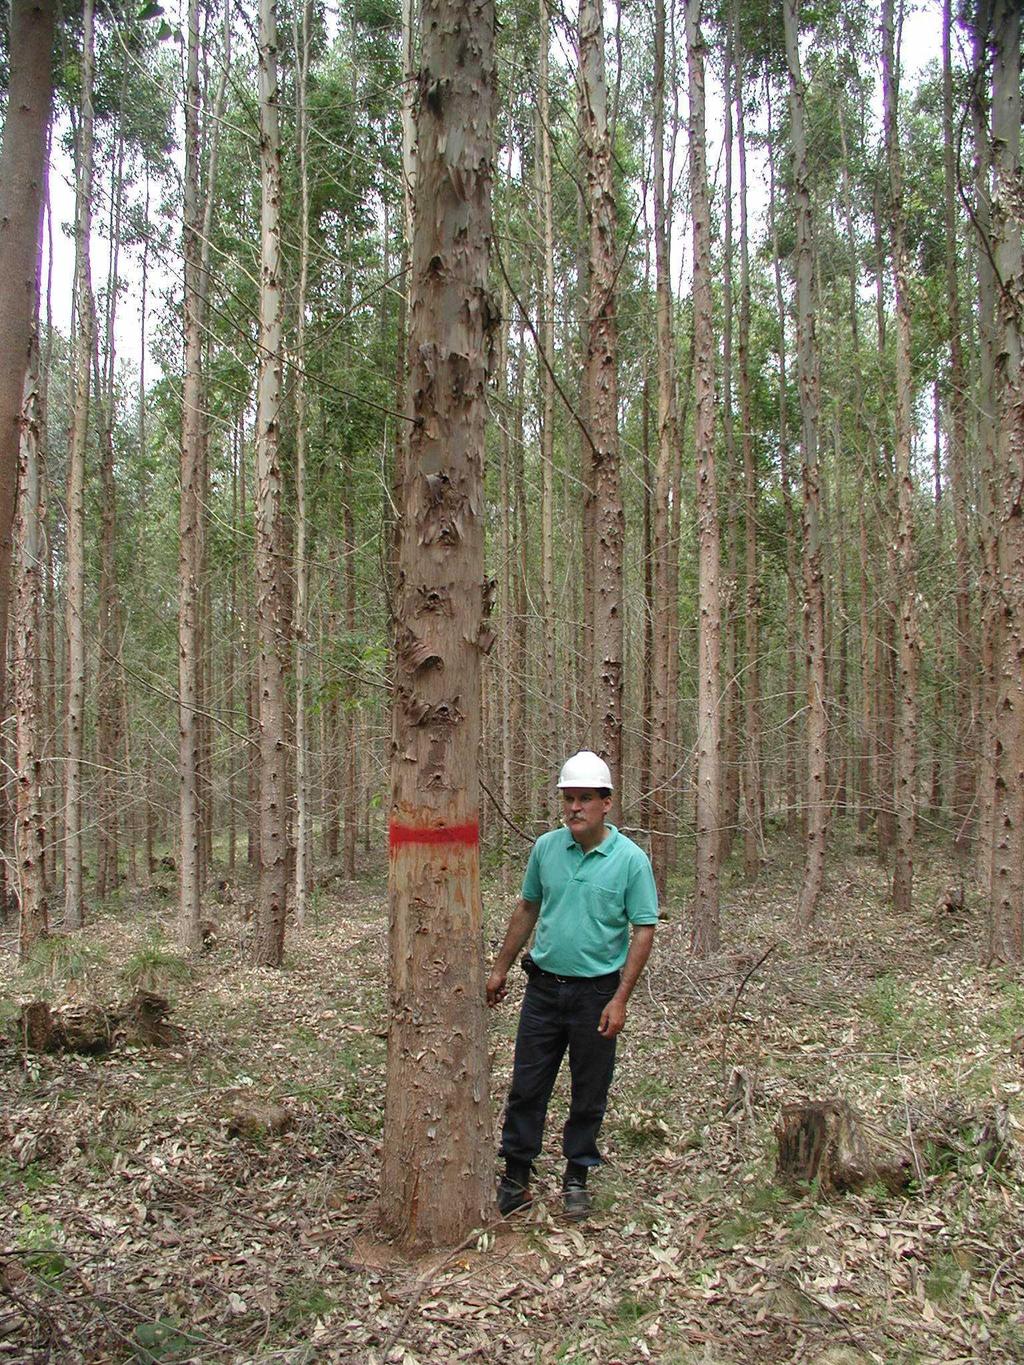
column 435, row 1183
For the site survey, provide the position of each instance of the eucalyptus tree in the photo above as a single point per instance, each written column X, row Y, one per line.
column 965, row 733
column 606, row 524
column 271, row 609
column 74, row 613
column 31, row 837
column 23, row 169
column 814, row 588
column 753, row 829
column 705, row 931
column 905, row 787
column 435, row 1183
column 664, row 550
column 197, row 215
column 1006, row 908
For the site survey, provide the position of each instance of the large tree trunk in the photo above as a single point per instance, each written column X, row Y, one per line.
column 75, row 597
column 814, row 588
column 905, row 783
column 23, row 169
column 271, row 613
column 435, row 1183
column 1006, row 906
column 705, row 928
column 605, row 561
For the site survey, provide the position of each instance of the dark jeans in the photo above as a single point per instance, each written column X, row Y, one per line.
column 560, row 1013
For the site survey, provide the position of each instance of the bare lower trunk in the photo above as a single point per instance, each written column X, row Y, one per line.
column 813, row 573
column 435, row 1183
column 905, row 785
column 301, row 25
column 549, row 680
column 965, row 729
column 988, row 493
column 662, row 548
column 1006, row 904
column 753, row 825
column 271, row 613
column 23, row 174
column 705, row 929
column 75, row 598
column 31, row 823
column 601, row 366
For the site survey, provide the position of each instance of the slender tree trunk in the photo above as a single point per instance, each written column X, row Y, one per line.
column 109, row 705
column 350, row 762
column 905, row 785
column 49, row 683
column 705, row 929
column 268, row 945
column 733, row 700
column 28, row 598
column 435, row 1183
column 940, row 720
column 789, row 728
column 753, row 825
column 547, row 431
column 191, row 521
column 813, row 574
column 1006, row 906
column 985, row 459
column 520, row 682
column 966, row 667
column 662, row 548
column 75, row 598
column 887, row 605
column 23, row 172
column 301, row 26
column 605, row 564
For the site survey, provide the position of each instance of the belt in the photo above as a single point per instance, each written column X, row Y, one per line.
column 532, row 970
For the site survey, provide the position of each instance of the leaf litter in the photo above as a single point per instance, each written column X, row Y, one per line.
column 143, row 1220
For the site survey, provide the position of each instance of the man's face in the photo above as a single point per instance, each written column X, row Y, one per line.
column 584, row 814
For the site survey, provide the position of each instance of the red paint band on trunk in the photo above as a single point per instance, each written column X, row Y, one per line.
column 467, row 835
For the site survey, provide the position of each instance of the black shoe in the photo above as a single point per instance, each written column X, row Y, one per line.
column 514, row 1190
column 576, row 1198
column 577, row 1201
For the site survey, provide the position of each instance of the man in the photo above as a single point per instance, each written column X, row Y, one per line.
column 589, row 892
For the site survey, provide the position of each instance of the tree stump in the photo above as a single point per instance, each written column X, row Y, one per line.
column 87, row 1029
column 821, row 1140
column 256, row 1119
column 39, row 1030
column 146, row 1019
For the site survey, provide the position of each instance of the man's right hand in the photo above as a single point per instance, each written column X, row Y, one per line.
column 497, row 987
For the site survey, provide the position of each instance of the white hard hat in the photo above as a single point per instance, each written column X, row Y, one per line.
column 585, row 770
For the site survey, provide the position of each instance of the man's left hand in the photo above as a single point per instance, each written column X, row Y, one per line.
column 613, row 1018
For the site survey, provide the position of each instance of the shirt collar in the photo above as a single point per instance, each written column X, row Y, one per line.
column 604, row 847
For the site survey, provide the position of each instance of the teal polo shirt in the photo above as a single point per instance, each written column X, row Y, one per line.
column 587, row 901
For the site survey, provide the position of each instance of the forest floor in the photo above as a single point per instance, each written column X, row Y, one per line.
column 136, row 1224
